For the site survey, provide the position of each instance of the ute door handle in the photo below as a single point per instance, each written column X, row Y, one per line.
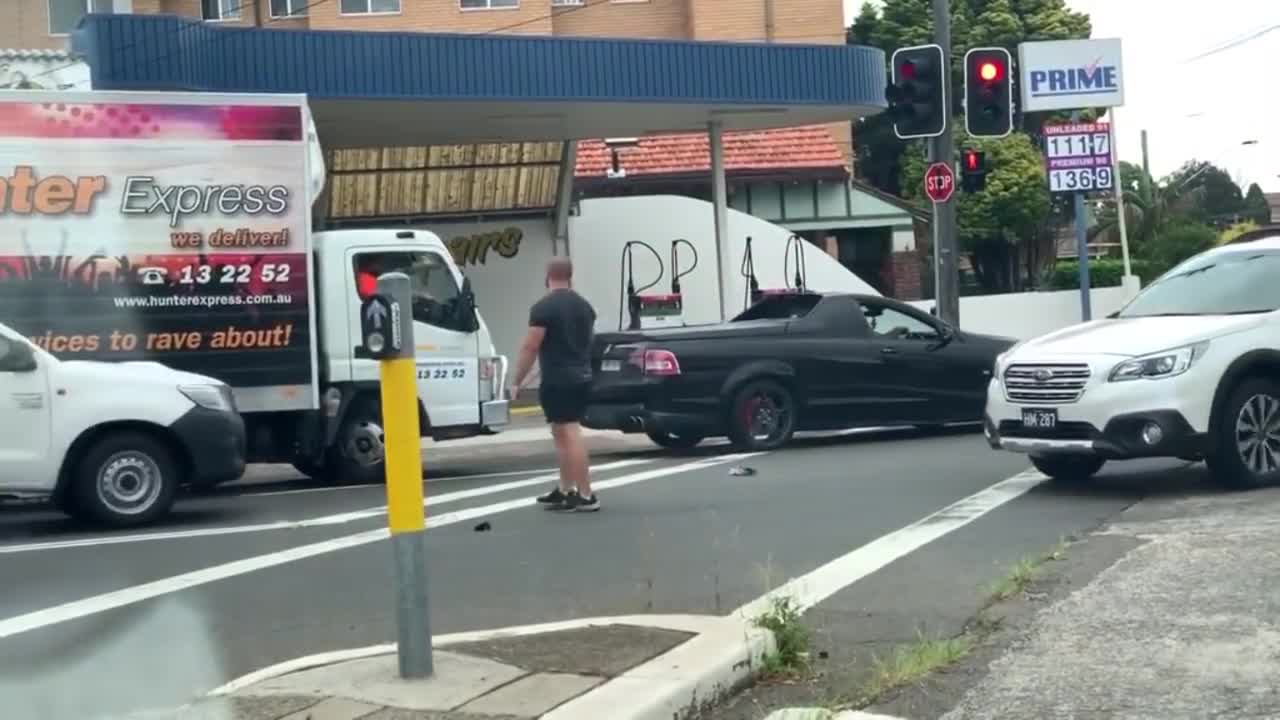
column 888, row 351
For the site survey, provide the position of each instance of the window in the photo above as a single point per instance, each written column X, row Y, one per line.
column 891, row 324
column 556, row 3
column 221, row 9
column 498, row 4
column 436, row 297
column 64, row 14
column 369, row 7
column 1235, row 282
column 289, row 8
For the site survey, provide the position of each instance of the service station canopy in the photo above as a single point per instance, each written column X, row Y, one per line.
column 382, row 89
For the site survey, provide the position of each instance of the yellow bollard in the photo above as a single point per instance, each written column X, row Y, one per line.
column 386, row 323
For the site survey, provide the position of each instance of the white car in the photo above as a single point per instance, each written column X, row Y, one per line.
column 111, row 442
column 1190, row 368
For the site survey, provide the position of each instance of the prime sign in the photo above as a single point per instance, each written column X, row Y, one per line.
column 1070, row 74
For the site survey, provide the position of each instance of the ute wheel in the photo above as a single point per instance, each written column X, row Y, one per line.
column 1247, row 447
column 762, row 416
column 672, row 441
column 1068, row 468
column 125, row 479
column 358, row 455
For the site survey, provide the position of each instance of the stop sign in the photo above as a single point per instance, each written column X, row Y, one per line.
column 939, row 182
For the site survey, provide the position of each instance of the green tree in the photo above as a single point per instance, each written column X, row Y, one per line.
column 1219, row 201
column 994, row 222
column 1255, row 206
column 1179, row 241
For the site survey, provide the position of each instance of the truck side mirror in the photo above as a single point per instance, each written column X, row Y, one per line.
column 467, row 307
column 16, row 356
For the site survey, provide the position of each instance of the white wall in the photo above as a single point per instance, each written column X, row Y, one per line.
column 603, row 226
column 1026, row 315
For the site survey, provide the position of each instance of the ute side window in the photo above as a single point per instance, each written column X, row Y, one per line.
column 436, row 296
column 892, row 324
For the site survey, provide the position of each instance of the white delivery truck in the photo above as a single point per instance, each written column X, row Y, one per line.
column 176, row 228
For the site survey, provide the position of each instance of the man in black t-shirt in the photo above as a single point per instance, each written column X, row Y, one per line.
column 561, row 326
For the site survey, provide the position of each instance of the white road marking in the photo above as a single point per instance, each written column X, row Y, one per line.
column 323, row 521
column 104, row 602
column 818, row 585
column 247, row 487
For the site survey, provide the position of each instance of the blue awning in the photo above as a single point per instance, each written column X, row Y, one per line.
column 388, row 88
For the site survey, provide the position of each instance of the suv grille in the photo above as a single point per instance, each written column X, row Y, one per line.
column 1048, row 384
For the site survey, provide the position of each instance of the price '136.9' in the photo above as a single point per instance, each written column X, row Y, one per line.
column 232, row 274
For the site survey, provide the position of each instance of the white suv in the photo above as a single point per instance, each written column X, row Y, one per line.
column 1190, row 368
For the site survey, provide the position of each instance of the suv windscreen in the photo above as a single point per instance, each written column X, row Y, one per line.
column 1230, row 283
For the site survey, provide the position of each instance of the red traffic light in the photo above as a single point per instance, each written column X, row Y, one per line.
column 907, row 70
column 990, row 71
column 971, row 161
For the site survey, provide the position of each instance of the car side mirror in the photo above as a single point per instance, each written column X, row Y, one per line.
column 16, row 357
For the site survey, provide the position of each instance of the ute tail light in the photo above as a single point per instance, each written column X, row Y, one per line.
column 656, row 362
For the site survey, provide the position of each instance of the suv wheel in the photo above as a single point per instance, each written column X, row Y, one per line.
column 1068, row 468
column 1247, row 446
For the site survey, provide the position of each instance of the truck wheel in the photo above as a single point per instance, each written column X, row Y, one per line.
column 358, row 455
column 763, row 416
column 1247, row 447
column 671, row 441
column 1068, row 468
column 125, row 479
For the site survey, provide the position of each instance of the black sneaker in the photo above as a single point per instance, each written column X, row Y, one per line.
column 573, row 502
column 555, row 497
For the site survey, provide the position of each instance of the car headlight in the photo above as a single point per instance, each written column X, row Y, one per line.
column 213, row 397
column 1164, row 364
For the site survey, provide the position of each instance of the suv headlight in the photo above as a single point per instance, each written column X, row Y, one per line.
column 213, row 397
column 1164, row 364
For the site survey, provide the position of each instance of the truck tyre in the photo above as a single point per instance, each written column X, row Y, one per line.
column 1068, row 468
column 1246, row 452
column 125, row 479
column 358, row 455
column 672, row 441
column 762, row 416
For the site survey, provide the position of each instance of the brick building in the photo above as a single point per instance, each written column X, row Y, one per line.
column 800, row 178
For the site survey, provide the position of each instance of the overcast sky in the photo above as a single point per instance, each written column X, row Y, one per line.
column 1205, row 108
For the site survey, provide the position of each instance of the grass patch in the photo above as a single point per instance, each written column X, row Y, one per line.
column 791, row 638
column 911, row 663
column 1023, row 573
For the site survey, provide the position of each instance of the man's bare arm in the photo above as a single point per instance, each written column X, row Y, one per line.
column 528, row 354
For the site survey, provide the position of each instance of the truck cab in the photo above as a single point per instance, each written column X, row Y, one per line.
column 461, row 377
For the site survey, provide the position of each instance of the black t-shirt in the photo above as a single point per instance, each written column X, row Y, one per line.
column 565, row 355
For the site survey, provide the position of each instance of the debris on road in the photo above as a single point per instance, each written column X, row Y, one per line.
column 742, row 470
column 484, row 527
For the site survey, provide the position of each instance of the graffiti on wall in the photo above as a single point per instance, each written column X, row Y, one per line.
column 474, row 249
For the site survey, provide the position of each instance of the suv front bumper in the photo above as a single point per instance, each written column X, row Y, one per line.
column 1114, row 420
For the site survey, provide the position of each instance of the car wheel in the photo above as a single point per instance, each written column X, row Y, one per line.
column 672, row 441
column 763, row 416
column 125, row 479
column 1247, row 449
column 1068, row 468
column 359, row 453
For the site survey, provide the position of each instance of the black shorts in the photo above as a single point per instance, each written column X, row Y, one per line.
column 563, row 403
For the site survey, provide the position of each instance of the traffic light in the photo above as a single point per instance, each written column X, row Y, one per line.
column 917, row 92
column 973, row 170
column 988, row 88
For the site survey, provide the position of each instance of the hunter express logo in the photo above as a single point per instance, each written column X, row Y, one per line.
column 474, row 249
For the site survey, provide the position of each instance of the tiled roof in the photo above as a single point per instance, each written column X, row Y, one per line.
column 789, row 149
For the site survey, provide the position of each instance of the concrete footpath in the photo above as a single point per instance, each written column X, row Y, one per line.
column 577, row 670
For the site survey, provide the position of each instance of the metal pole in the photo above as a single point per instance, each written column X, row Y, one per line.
column 1082, row 246
column 720, row 205
column 564, row 197
column 1115, row 181
column 406, row 515
column 946, row 248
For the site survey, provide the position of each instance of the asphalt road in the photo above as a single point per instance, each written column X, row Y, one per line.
column 275, row 567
